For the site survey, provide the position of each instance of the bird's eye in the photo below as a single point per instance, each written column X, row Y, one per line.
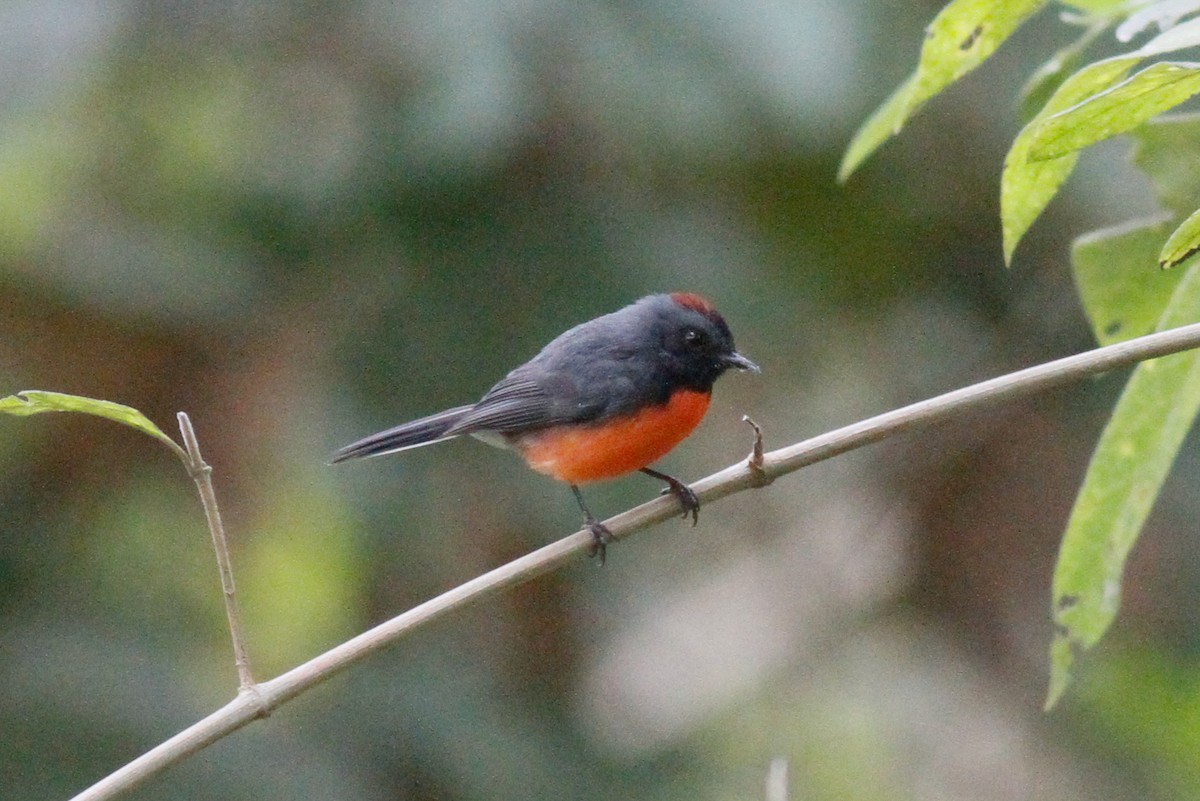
column 694, row 339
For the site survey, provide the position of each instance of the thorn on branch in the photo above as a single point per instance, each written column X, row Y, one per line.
column 758, row 475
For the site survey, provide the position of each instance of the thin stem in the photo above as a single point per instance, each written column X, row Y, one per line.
column 202, row 474
column 777, row 780
column 736, row 478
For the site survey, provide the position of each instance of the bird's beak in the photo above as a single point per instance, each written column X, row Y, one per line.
column 739, row 361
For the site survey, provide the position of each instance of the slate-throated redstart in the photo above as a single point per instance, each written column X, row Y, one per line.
column 607, row 397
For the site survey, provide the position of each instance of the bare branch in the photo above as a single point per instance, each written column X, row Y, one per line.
column 259, row 700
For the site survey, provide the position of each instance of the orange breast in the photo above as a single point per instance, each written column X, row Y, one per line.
column 606, row 450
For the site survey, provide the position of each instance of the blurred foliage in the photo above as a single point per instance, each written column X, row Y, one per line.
column 1080, row 107
column 302, row 222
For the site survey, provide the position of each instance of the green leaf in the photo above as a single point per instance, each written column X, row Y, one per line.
column 1124, row 295
column 1167, row 150
column 33, row 401
column 1183, row 243
column 1046, row 80
column 958, row 40
column 1027, row 187
column 886, row 121
column 1096, row 6
column 961, row 37
column 1127, row 470
column 1122, row 108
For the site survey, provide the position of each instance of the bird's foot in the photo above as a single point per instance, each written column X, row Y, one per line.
column 687, row 498
column 601, row 537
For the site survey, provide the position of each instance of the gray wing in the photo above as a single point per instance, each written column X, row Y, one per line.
column 519, row 403
column 595, row 370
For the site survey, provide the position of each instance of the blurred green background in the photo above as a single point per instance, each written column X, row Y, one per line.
column 302, row 222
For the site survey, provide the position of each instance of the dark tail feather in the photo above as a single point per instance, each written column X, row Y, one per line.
column 425, row 431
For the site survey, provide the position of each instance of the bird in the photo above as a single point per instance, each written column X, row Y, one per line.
column 603, row 399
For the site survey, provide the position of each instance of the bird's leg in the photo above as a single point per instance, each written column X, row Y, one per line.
column 601, row 536
column 687, row 498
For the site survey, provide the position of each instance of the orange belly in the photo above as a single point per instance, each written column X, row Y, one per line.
column 606, row 450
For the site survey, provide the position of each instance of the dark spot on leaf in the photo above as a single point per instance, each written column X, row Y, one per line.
column 970, row 41
column 1063, row 633
column 1112, row 329
column 1066, row 602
